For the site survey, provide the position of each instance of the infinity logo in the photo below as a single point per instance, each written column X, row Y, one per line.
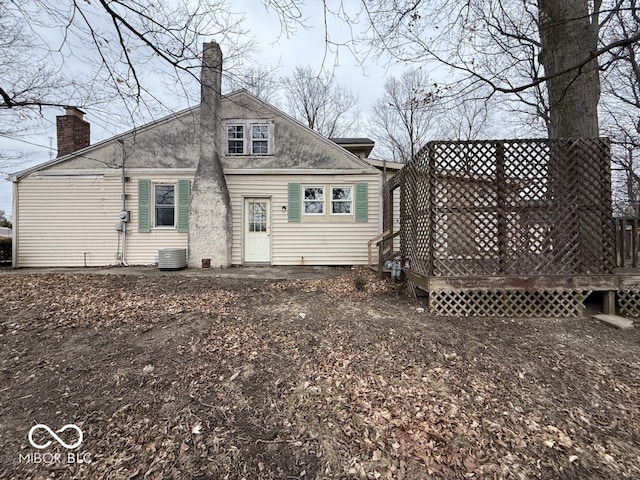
column 55, row 437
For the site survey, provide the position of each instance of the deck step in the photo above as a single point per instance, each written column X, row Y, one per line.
column 615, row 321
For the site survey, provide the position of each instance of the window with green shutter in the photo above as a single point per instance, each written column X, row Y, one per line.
column 362, row 202
column 328, row 203
column 160, row 205
column 293, row 209
column 184, row 195
column 144, row 206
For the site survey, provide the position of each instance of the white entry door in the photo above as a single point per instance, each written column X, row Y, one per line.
column 257, row 230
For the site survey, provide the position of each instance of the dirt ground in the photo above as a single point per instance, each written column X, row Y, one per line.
column 180, row 377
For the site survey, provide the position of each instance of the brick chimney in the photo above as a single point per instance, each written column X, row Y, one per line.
column 73, row 131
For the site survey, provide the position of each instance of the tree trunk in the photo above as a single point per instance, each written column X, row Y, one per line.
column 569, row 38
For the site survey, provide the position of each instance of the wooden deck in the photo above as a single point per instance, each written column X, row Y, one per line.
column 616, row 281
column 543, row 295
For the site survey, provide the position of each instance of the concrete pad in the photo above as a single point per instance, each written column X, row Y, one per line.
column 615, row 321
column 256, row 272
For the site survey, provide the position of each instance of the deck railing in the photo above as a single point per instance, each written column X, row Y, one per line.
column 384, row 243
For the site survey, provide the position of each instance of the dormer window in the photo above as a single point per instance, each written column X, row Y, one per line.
column 260, row 139
column 235, row 136
column 249, row 138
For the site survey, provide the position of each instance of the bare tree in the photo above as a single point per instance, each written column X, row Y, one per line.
column 568, row 40
column 621, row 124
column 95, row 53
column 25, row 78
column 262, row 81
column 22, row 75
column 469, row 119
column 621, row 76
column 499, row 43
column 620, row 107
column 4, row 221
column 405, row 114
column 316, row 100
column 625, row 181
column 513, row 47
column 129, row 61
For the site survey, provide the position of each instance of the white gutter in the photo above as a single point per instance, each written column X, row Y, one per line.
column 305, row 171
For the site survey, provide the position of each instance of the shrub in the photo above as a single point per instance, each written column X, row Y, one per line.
column 360, row 283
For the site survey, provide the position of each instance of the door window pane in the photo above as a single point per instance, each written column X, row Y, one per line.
column 257, row 216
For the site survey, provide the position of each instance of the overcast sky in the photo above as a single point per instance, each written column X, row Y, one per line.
column 307, row 47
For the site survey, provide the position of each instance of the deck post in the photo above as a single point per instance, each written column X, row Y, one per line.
column 634, row 243
column 609, row 302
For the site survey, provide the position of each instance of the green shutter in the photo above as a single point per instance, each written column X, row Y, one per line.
column 184, row 194
column 293, row 210
column 362, row 202
column 144, row 206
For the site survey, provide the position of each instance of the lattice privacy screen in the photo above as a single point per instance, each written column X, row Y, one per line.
column 512, row 207
column 629, row 301
column 508, row 303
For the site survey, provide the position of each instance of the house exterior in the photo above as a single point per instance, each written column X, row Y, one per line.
column 234, row 181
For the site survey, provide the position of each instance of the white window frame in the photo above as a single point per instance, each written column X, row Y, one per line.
column 242, row 140
column 164, row 206
column 249, row 142
column 323, row 201
column 332, row 201
column 253, row 140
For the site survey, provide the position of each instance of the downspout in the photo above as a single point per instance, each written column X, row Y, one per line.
column 14, row 226
column 124, row 207
column 384, row 197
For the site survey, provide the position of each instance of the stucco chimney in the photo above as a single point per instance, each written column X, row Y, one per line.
column 73, row 131
column 210, row 221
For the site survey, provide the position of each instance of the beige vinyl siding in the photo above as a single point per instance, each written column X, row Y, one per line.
column 62, row 218
column 142, row 248
column 306, row 242
column 65, row 216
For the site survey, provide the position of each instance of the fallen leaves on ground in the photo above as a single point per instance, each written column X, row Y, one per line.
column 177, row 377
